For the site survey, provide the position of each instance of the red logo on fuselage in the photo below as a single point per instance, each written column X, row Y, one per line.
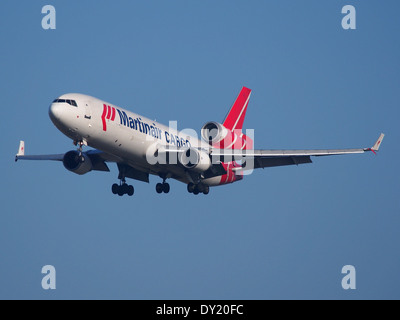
column 109, row 114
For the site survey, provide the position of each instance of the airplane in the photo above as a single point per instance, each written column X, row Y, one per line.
column 141, row 147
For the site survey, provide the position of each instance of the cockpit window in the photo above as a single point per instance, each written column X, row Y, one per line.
column 70, row 102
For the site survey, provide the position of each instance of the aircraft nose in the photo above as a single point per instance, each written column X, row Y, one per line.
column 55, row 112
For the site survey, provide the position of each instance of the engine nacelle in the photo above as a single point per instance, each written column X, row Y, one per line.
column 194, row 159
column 220, row 137
column 213, row 132
column 74, row 163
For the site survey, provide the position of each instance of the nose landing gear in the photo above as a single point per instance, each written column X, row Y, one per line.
column 80, row 144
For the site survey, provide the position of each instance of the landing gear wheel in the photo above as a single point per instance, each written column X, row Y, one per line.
column 206, row 190
column 131, row 191
column 115, row 188
column 159, row 187
column 125, row 188
column 190, row 187
column 196, row 191
column 200, row 187
column 165, row 187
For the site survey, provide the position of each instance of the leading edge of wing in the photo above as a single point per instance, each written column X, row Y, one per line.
column 54, row 157
column 282, row 153
column 293, row 153
column 97, row 157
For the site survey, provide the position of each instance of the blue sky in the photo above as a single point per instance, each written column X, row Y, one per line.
column 282, row 233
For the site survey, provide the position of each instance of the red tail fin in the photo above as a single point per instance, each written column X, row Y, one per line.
column 234, row 119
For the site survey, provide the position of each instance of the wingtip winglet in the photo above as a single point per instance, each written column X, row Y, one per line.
column 21, row 150
column 378, row 143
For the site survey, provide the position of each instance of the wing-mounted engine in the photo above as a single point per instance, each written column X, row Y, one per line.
column 77, row 164
column 195, row 160
column 216, row 135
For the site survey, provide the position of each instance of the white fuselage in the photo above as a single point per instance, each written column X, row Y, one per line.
column 124, row 135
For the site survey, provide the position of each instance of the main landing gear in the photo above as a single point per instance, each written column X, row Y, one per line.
column 122, row 188
column 163, row 187
column 198, row 188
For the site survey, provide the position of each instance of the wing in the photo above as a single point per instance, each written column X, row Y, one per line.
column 98, row 158
column 21, row 155
column 273, row 158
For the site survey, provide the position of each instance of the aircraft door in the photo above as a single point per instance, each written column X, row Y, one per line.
column 88, row 111
column 88, row 119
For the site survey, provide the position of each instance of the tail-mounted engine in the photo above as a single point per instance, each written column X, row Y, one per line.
column 220, row 137
column 194, row 159
column 79, row 164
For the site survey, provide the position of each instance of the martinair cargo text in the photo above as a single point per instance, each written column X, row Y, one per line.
column 140, row 146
